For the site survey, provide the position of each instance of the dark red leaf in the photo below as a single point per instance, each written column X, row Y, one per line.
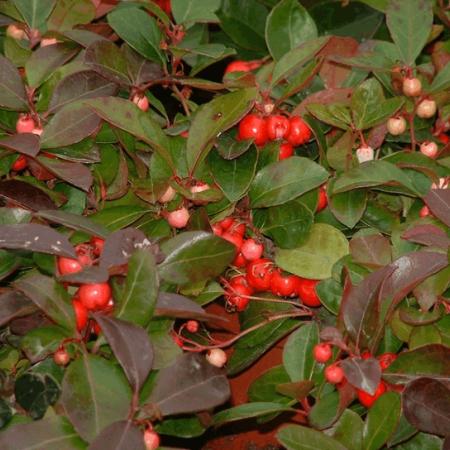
column 430, row 235
column 438, row 200
column 325, row 97
column 25, row 143
column 14, row 304
column 92, row 274
column 123, row 435
column 25, row 195
column 363, row 374
column 373, row 250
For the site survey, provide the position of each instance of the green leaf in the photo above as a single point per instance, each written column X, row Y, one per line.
column 316, row 257
column 373, row 173
column 69, row 13
column 348, row 207
column 52, row 433
column 95, row 393
column 138, row 300
column 139, row 30
column 247, row 411
column 441, row 81
column 298, row 350
column 410, row 25
column 183, row 427
column 194, row 256
column 288, row 25
column 282, row 181
column 296, row 437
column 264, row 388
column 50, row 296
column 348, row 430
column 214, row 118
column 41, row 342
column 288, row 224
column 118, row 217
column 326, row 410
column 12, row 89
column 295, row 58
column 381, row 421
column 234, row 176
column 421, row 441
column 336, row 114
column 34, row 12
column 190, row 11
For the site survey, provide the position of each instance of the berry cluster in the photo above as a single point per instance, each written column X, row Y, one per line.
column 292, row 131
column 334, row 374
column 88, row 297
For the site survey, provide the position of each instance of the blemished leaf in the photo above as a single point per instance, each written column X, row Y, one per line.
column 315, row 258
column 95, row 394
column 191, row 11
column 189, row 385
column 288, row 25
column 34, row 12
column 139, row 30
column 234, row 176
column 80, row 86
column 297, row 352
column 12, row 92
column 297, row 437
column 131, row 346
column 138, row 300
column 381, row 421
column 25, row 143
column 194, row 256
column 285, row 180
column 109, row 61
column 52, row 433
column 69, row 13
column 247, row 411
column 69, row 125
column 425, row 404
column 122, row 435
column 36, row 238
column 409, row 24
column 363, row 374
column 214, row 118
column 431, row 361
column 438, row 200
column 46, row 59
column 49, row 296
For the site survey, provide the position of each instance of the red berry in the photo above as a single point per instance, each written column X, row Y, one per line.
column 322, row 201
column 386, row 359
column 284, row 285
column 252, row 250
column 306, row 290
column 259, row 274
column 227, row 222
column 68, row 265
column 98, row 244
column 234, row 238
column 299, row 132
column 238, row 228
column 217, row 357
column 253, row 127
column 443, row 138
column 239, row 260
column 192, row 326
column 81, row 314
column 366, row 354
column 20, row 163
column 334, row 374
column 286, row 151
column 217, row 229
column 94, row 296
column 237, row 66
column 322, row 352
column 412, row 87
column 61, row 357
column 429, row 148
column 25, row 124
column 151, row 439
column 178, row 218
column 238, row 292
column 368, row 400
column 424, row 212
column 277, row 127
column 168, row 195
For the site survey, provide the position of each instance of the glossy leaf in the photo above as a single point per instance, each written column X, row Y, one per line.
column 296, row 437
column 123, row 435
column 348, row 207
column 34, row 12
column 191, row 11
column 25, row 143
column 438, row 200
column 12, row 92
column 373, row 250
column 363, row 374
column 348, row 430
column 69, row 13
column 14, row 304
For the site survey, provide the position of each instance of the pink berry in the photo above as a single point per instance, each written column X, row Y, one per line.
column 251, row 249
column 141, row 101
column 25, row 124
column 429, row 148
column 192, row 326
column 412, row 87
column 426, row 109
column 424, row 212
column 168, row 196
column 217, row 357
column 61, row 357
column 178, row 218
column 37, row 130
column 364, row 153
column 322, row 352
column 151, row 439
column 15, row 32
column 396, row 125
column 334, row 374
column 48, row 41
column 199, row 187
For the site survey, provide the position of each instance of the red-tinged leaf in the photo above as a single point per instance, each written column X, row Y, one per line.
column 431, row 361
column 35, row 238
column 359, row 309
column 373, row 250
column 90, row 275
column 189, row 385
column 25, row 195
column 363, row 374
column 131, row 346
column 25, row 143
column 74, row 173
column 49, row 296
column 438, row 200
column 429, row 235
column 12, row 89
column 13, row 305
column 123, row 435
column 426, row 405
column 325, row 97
